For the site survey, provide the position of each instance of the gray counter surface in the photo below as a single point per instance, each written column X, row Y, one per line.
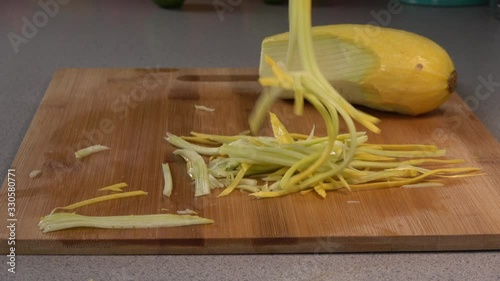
column 138, row 34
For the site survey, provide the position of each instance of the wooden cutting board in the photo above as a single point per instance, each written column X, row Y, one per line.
column 130, row 110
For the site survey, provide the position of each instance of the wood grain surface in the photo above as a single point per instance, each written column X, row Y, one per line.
column 130, row 110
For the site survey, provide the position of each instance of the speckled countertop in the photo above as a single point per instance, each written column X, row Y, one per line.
column 138, row 34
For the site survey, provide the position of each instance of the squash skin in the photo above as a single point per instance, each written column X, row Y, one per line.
column 413, row 74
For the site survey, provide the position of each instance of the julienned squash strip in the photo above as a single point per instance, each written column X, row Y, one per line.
column 167, row 179
column 100, row 199
column 90, row 150
column 60, row 221
column 115, row 187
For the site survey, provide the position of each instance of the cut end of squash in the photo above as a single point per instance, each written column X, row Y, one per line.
column 452, row 82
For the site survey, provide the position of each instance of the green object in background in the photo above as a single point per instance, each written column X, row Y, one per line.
column 446, row 2
column 169, row 4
